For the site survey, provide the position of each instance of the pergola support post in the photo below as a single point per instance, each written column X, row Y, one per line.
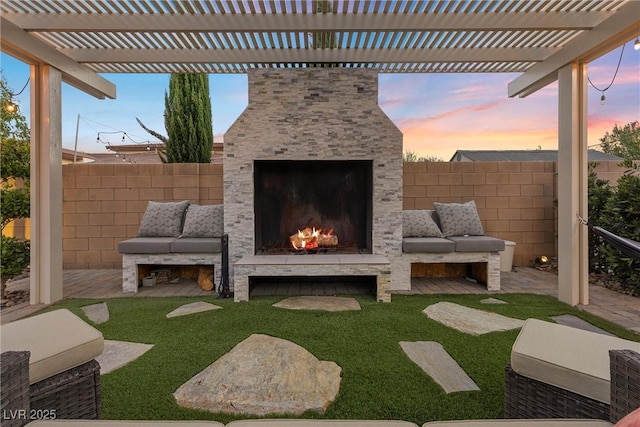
column 46, row 185
column 573, row 255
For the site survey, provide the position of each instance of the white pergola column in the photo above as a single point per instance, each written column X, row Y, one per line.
column 573, row 256
column 46, row 185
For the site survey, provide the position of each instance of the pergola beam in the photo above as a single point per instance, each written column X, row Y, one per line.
column 25, row 47
column 614, row 31
column 308, row 22
column 244, row 56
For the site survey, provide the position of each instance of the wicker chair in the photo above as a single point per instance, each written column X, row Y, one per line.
column 72, row 394
column 529, row 398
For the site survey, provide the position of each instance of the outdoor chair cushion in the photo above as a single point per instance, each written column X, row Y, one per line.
column 477, row 243
column 58, row 341
column 459, row 219
column 146, row 245
column 521, row 423
column 196, row 245
column 122, row 423
column 163, row 219
column 203, row 221
column 566, row 357
column 427, row 244
column 319, row 423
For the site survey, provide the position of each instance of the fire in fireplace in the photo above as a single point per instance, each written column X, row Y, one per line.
column 312, row 206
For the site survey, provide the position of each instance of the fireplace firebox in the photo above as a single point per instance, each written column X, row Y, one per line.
column 313, row 206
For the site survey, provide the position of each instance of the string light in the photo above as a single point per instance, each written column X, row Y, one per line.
column 11, row 106
column 636, row 44
column 602, row 91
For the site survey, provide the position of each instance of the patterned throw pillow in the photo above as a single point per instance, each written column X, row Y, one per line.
column 459, row 219
column 203, row 221
column 163, row 219
column 419, row 223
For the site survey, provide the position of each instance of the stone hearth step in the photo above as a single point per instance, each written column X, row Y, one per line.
column 319, row 303
column 312, row 266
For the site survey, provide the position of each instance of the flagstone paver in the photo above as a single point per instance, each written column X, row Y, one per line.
column 194, row 307
column 493, row 301
column 326, row 303
column 576, row 322
column 434, row 360
column 470, row 320
column 117, row 354
column 263, row 375
column 97, row 313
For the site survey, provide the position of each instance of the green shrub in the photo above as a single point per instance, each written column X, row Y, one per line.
column 622, row 217
column 599, row 194
column 15, row 257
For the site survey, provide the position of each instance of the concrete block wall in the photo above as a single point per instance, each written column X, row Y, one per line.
column 103, row 204
column 516, row 200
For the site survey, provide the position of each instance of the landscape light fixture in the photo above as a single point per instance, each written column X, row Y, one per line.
column 11, row 106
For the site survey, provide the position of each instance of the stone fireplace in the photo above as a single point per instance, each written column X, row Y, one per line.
column 307, row 135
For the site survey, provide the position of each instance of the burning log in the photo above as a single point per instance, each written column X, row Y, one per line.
column 312, row 239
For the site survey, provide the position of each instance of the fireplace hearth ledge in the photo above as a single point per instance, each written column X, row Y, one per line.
column 314, row 265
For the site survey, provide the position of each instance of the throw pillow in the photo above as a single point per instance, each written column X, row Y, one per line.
column 203, row 221
column 459, row 219
column 419, row 223
column 163, row 219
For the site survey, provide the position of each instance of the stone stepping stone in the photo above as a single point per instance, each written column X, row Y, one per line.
column 117, row 354
column 493, row 301
column 470, row 320
column 97, row 313
column 325, row 303
column 194, row 307
column 576, row 322
column 263, row 375
column 434, row 360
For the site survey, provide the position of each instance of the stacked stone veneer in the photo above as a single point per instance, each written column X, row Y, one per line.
column 313, row 114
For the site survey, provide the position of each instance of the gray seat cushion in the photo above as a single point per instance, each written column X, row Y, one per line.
column 477, row 243
column 196, row 245
column 146, row 245
column 427, row 244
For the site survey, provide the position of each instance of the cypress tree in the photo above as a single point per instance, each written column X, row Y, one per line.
column 187, row 120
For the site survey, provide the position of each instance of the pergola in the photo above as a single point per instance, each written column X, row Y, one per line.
column 72, row 41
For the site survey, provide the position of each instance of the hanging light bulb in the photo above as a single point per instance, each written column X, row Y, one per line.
column 117, row 154
column 636, row 44
column 602, row 99
column 148, row 147
column 123, row 139
column 11, row 107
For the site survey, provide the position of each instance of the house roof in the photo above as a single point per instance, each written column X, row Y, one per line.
column 232, row 36
column 522, row 156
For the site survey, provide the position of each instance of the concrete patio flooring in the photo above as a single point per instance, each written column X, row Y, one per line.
column 620, row 309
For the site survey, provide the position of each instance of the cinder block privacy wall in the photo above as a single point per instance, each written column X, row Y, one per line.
column 103, row 204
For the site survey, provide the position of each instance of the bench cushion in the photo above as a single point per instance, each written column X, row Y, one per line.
column 199, row 245
column 566, row 357
column 427, row 244
column 521, row 423
column 319, row 423
column 477, row 243
column 146, row 245
column 58, row 341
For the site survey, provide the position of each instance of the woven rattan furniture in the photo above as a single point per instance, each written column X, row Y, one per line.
column 529, row 398
column 63, row 377
column 14, row 399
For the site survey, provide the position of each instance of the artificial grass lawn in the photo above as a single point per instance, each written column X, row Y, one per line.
column 378, row 379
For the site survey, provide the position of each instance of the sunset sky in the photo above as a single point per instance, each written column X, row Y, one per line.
column 437, row 113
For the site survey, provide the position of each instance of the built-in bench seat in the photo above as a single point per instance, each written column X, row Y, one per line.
column 174, row 234
column 450, row 234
